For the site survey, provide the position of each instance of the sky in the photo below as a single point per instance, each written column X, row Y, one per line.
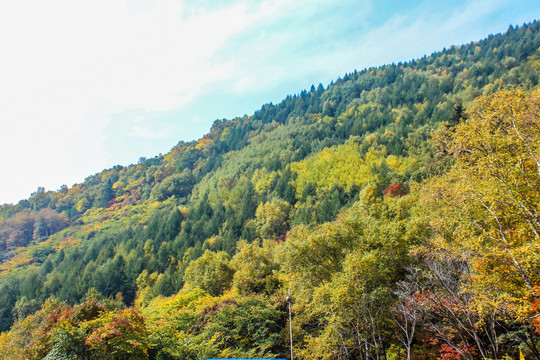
column 86, row 85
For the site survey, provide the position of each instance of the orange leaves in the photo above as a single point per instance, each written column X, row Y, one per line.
column 448, row 352
column 119, row 332
column 396, row 190
column 203, row 142
column 89, row 330
column 67, row 242
column 535, row 307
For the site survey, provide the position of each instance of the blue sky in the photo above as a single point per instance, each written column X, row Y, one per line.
column 86, row 85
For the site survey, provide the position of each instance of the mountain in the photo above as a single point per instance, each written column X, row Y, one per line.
column 323, row 193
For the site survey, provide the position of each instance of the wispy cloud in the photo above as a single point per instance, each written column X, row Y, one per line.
column 75, row 75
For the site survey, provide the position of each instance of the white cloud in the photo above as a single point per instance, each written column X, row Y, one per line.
column 85, row 85
column 67, row 67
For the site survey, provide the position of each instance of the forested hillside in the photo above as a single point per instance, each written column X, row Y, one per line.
column 399, row 205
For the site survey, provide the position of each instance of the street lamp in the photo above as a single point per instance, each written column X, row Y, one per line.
column 288, row 299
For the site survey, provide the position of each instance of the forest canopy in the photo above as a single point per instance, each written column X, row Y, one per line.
column 399, row 206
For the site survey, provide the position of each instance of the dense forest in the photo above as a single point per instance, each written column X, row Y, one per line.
column 399, row 206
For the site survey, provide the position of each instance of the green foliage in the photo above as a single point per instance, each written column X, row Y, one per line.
column 211, row 272
column 194, row 325
column 58, row 330
column 178, row 185
column 244, row 329
column 255, row 269
column 342, row 274
column 318, row 194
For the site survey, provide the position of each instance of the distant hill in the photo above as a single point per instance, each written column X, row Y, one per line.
column 289, row 171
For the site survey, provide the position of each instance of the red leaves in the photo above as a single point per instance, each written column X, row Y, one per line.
column 121, row 332
column 448, row 352
column 535, row 305
column 396, row 190
column 282, row 238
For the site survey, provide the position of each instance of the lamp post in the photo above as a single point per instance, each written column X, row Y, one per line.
column 288, row 299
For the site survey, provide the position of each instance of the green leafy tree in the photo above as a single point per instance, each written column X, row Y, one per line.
column 272, row 218
column 211, row 272
column 178, row 185
column 255, row 269
column 343, row 273
column 82, row 205
column 247, row 328
column 105, row 195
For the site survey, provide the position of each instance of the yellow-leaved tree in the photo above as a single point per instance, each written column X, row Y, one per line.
column 485, row 210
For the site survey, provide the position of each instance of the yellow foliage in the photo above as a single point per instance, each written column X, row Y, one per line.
column 262, row 179
column 75, row 190
column 345, row 166
column 485, row 209
column 17, row 261
column 370, row 138
column 272, row 218
column 6, row 348
column 202, row 142
column 67, row 242
column 82, row 205
column 118, row 185
column 225, row 133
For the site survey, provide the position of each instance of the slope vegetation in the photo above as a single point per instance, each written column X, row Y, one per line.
column 399, row 204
